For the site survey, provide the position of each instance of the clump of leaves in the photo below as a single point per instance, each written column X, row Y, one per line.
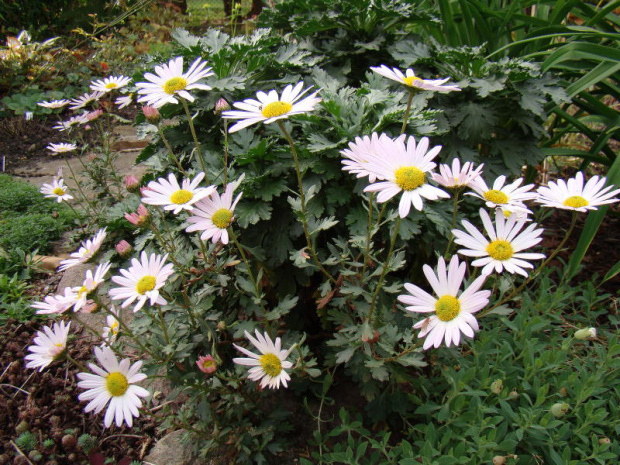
column 27, row 441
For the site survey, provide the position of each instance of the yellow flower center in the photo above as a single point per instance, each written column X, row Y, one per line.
column 447, row 308
column 576, row 201
column 116, row 383
column 57, row 350
column 222, row 218
column 276, row 109
column 409, row 178
column 114, row 328
column 410, row 80
column 500, row 250
column 271, row 364
column 111, row 85
column 181, row 196
column 495, row 196
column 146, row 283
column 83, row 290
column 174, row 85
column 59, row 191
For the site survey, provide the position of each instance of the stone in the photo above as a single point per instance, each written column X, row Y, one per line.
column 170, row 451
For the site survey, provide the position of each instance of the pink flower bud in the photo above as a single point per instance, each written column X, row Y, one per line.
column 152, row 114
column 207, row 364
column 138, row 218
column 89, row 307
column 123, row 248
column 93, row 115
column 221, row 105
column 131, row 183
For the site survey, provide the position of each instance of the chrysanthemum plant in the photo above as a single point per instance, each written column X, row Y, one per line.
column 267, row 259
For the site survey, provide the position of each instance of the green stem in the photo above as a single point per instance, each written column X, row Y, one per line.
column 368, row 234
column 535, row 273
column 386, row 267
column 163, row 325
column 302, row 199
column 257, row 293
column 196, row 143
column 407, row 110
column 454, row 216
column 79, row 187
column 170, row 151
column 226, row 151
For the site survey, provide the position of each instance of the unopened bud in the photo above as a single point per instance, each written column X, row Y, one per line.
column 93, row 115
column 151, row 114
column 497, row 386
column 585, row 333
column 123, row 248
column 560, row 409
column 138, row 218
column 499, row 460
column 221, row 326
column 131, row 183
column 89, row 307
column 604, row 440
column 207, row 364
column 513, row 394
column 563, row 391
column 221, row 105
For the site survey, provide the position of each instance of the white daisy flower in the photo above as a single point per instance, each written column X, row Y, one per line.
column 112, row 328
column 110, row 83
column 54, row 103
column 71, row 122
column 453, row 310
column 171, row 82
column 214, row 214
column 48, row 345
column 88, row 250
column 503, row 250
column 269, row 107
column 356, row 157
column 114, row 384
column 142, row 281
column 508, row 197
column 404, row 168
column 56, row 303
column 90, row 283
column 456, row 177
column 123, row 101
column 61, row 148
column 56, row 190
column 270, row 367
column 411, row 80
column 171, row 196
column 573, row 195
column 84, row 99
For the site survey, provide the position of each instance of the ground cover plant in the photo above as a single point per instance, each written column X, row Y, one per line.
column 300, row 218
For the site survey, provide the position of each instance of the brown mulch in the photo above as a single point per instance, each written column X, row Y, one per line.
column 46, row 404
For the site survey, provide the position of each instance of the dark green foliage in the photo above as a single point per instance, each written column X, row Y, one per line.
column 27, row 441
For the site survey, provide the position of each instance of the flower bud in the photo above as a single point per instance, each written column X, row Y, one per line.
column 206, row 364
column 513, row 394
column 563, row 391
column 585, row 333
column 221, row 105
column 89, row 307
column 497, row 386
column 221, row 326
column 560, row 409
column 140, row 217
column 604, row 440
column 123, row 248
column 93, row 115
column 131, row 183
column 151, row 114
column 499, row 460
